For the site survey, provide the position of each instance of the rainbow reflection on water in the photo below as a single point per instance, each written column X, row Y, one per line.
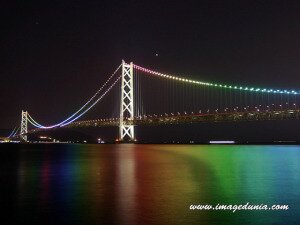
column 147, row 184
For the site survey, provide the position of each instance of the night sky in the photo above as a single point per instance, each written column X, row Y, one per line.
column 55, row 54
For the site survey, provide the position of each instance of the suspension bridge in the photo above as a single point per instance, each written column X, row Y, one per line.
column 137, row 96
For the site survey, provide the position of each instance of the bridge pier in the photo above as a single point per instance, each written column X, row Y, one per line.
column 23, row 131
column 126, row 132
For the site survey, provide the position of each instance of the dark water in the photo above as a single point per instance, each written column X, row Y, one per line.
column 146, row 184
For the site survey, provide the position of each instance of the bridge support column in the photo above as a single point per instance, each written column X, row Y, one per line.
column 23, row 131
column 126, row 132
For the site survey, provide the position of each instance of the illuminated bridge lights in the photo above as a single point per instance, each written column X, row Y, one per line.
column 71, row 119
column 171, row 118
column 251, row 89
column 75, row 115
column 216, row 114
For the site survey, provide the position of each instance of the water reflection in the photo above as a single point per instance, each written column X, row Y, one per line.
column 126, row 185
column 147, row 184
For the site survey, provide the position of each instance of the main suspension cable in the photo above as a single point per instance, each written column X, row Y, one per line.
column 92, row 104
column 248, row 89
column 36, row 124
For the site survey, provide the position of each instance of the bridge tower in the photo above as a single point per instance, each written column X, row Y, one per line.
column 126, row 132
column 23, row 130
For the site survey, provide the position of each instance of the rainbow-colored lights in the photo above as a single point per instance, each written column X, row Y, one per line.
column 109, row 84
column 92, row 104
column 14, row 132
column 75, row 115
column 242, row 88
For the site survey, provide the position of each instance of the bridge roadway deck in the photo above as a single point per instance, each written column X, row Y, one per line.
column 195, row 118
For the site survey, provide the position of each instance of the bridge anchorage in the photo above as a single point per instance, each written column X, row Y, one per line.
column 145, row 97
